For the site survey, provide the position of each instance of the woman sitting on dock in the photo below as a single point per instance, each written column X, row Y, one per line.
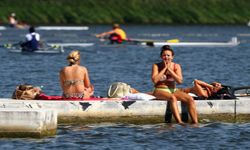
column 165, row 75
column 74, row 79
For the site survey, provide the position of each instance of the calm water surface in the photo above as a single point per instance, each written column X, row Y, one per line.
column 132, row 64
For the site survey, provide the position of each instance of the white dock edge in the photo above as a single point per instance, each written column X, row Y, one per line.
column 132, row 111
column 23, row 122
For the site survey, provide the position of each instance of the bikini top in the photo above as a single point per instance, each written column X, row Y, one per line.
column 72, row 82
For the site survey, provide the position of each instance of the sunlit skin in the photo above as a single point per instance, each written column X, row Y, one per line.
column 168, row 69
column 76, row 72
column 167, row 58
column 203, row 89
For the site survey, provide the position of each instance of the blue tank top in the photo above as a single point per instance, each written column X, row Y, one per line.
column 34, row 43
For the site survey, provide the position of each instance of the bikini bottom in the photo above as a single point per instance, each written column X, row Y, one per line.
column 166, row 89
column 79, row 95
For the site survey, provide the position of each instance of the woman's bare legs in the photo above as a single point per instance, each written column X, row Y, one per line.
column 173, row 103
column 187, row 99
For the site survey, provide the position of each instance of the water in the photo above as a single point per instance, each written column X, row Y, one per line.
column 132, row 64
column 140, row 137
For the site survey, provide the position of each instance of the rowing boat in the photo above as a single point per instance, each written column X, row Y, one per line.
column 176, row 43
column 51, row 28
column 62, row 28
column 16, row 48
column 39, row 51
column 72, row 44
column 2, row 28
column 233, row 42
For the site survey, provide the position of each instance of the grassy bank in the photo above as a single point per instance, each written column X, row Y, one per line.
column 80, row 12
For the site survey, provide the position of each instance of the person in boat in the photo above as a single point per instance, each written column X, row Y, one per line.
column 116, row 35
column 32, row 42
column 74, row 79
column 165, row 75
column 204, row 90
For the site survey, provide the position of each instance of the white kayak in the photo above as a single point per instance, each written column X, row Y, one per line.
column 40, row 51
column 43, row 50
column 2, row 28
column 72, row 44
column 51, row 28
column 62, row 28
column 233, row 42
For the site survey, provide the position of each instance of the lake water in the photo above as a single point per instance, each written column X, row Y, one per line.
column 132, row 64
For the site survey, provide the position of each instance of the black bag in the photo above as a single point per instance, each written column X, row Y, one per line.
column 227, row 92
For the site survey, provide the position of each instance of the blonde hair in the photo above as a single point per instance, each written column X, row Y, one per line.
column 73, row 57
column 116, row 26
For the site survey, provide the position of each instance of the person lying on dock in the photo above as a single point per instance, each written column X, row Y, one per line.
column 74, row 79
column 209, row 91
column 26, row 92
column 116, row 35
column 165, row 75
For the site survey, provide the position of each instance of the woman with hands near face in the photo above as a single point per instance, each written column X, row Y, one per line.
column 165, row 75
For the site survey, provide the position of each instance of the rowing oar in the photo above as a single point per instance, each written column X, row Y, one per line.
column 45, row 44
column 9, row 45
column 102, row 39
column 151, row 43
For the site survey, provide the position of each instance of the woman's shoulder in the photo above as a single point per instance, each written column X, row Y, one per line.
column 83, row 67
column 176, row 65
column 63, row 69
column 73, row 68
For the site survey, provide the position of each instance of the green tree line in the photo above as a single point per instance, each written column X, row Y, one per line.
column 78, row 12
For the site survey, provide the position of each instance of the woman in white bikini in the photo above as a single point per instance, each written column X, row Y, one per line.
column 74, row 79
column 165, row 75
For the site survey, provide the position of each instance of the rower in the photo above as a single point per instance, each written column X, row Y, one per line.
column 116, row 35
column 32, row 40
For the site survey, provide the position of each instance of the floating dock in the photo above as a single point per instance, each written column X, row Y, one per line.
column 25, row 122
column 138, row 111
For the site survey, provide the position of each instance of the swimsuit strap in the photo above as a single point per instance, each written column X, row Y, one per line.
column 72, row 82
